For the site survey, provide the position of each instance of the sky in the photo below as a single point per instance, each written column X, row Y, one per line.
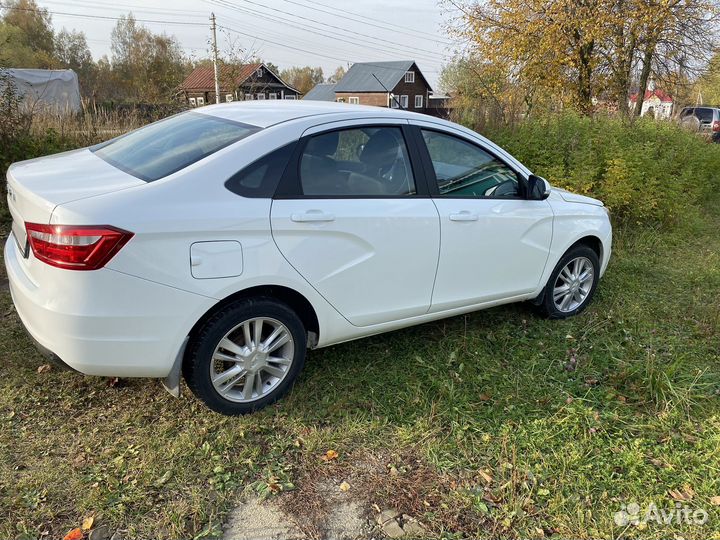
column 325, row 33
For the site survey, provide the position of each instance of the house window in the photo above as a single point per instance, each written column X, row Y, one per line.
column 394, row 101
column 290, row 97
column 418, row 102
column 272, row 96
column 228, row 98
column 259, row 72
column 404, row 102
column 410, row 76
column 261, row 96
column 248, row 97
column 354, row 100
column 192, row 102
column 341, row 100
column 200, row 101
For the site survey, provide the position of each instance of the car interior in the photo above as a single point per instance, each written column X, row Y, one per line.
column 357, row 162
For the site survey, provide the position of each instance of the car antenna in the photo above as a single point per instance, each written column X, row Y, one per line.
column 389, row 92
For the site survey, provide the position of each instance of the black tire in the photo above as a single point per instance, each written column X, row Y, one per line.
column 199, row 360
column 547, row 306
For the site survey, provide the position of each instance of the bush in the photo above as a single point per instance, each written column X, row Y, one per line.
column 645, row 171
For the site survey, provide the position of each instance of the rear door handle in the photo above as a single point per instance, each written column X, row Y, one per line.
column 463, row 216
column 312, row 215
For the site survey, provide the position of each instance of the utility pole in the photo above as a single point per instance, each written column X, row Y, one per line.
column 215, row 57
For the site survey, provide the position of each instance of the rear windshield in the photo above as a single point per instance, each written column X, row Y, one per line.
column 164, row 147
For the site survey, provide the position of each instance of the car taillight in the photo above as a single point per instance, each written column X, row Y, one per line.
column 716, row 126
column 76, row 247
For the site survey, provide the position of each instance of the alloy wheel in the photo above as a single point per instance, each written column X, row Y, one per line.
column 573, row 284
column 252, row 359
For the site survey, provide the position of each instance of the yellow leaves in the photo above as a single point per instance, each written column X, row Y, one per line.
column 715, row 501
column 88, row 523
column 344, row 486
column 44, row 368
column 329, row 455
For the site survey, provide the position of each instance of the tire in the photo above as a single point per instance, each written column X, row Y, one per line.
column 233, row 375
column 562, row 307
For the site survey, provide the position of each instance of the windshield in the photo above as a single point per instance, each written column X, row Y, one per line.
column 162, row 148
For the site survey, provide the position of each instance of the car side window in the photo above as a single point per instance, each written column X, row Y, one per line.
column 704, row 114
column 261, row 177
column 369, row 161
column 463, row 169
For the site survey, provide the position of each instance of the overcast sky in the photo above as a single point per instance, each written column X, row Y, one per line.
column 325, row 33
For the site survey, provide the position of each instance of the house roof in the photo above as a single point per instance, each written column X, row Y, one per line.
column 322, row 92
column 662, row 96
column 361, row 77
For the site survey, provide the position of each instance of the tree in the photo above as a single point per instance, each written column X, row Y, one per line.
column 338, row 74
column 149, row 66
column 550, row 45
column 26, row 35
column 303, row 78
column 72, row 52
column 708, row 85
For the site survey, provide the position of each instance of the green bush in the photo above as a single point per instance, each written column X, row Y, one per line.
column 645, row 171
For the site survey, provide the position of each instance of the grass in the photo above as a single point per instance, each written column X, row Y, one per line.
column 496, row 424
column 566, row 420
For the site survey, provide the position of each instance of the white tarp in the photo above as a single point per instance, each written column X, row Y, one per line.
column 53, row 90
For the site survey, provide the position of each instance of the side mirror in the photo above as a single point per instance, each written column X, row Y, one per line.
column 538, row 188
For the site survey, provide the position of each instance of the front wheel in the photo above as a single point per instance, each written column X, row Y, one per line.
column 572, row 283
column 246, row 356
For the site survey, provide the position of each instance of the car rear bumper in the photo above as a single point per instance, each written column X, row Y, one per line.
column 103, row 322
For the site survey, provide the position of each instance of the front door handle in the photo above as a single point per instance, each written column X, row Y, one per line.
column 464, row 216
column 312, row 216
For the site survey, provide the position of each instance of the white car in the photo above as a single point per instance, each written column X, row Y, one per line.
column 223, row 242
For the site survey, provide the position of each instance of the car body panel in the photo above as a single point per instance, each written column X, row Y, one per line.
column 132, row 317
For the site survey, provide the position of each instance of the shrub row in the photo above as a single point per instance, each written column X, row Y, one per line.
column 644, row 171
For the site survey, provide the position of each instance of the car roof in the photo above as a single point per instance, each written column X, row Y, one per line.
column 265, row 113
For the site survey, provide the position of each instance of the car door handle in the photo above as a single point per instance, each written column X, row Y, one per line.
column 463, row 216
column 312, row 215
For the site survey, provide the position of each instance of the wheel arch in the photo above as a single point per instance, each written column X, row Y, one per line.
column 590, row 240
column 295, row 300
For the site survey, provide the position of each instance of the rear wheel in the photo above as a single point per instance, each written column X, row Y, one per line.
column 572, row 283
column 246, row 356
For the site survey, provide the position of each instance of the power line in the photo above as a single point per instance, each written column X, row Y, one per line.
column 344, row 60
column 396, row 28
column 326, row 33
column 296, row 16
column 104, row 17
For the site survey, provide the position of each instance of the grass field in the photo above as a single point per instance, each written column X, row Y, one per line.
column 494, row 424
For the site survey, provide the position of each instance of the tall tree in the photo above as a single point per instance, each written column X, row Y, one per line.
column 338, row 74
column 26, row 35
column 303, row 78
column 149, row 65
column 551, row 45
column 72, row 52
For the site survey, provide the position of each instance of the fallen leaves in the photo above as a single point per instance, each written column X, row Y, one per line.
column 88, row 523
column 344, row 486
column 44, row 368
column 487, row 477
column 75, row 534
column 329, row 455
column 715, row 501
column 686, row 493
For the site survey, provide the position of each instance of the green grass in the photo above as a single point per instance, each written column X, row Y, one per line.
column 570, row 419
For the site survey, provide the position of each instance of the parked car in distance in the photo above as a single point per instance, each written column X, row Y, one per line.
column 705, row 120
column 223, row 242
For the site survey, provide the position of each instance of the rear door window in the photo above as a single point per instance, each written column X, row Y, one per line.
column 704, row 114
column 162, row 148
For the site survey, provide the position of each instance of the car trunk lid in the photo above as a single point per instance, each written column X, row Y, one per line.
column 37, row 186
